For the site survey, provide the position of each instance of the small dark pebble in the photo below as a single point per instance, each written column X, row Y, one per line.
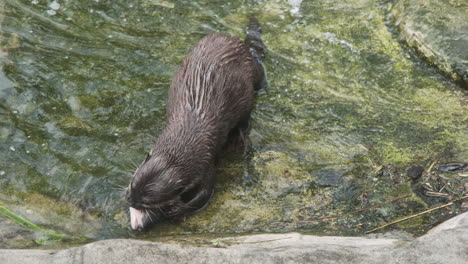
column 414, row 172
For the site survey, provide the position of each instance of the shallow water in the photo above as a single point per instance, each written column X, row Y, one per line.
column 83, row 88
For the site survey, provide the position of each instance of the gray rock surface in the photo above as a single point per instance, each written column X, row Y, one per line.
column 438, row 29
column 446, row 243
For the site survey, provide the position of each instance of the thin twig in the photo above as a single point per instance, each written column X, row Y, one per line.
column 415, row 215
column 379, row 205
column 436, row 194
column 432, row 165
column 428, row 171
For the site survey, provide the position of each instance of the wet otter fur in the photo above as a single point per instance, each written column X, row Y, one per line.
column 210, row 99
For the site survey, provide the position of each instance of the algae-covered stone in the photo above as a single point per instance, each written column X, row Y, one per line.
column 438, row 29
column 75, row 126
column 43, row 220
column 279, row 174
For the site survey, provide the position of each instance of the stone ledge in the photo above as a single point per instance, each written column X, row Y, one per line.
column 446, row 243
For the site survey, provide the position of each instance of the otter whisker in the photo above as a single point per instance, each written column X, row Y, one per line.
column 135, row 164
column 149, row 215
column 162, row 212
column 152, row 213
column 119, row 188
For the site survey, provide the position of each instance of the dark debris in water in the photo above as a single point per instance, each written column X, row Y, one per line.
column 450, row 167
column 436, row 187
column 414, row 172
column 445, row 180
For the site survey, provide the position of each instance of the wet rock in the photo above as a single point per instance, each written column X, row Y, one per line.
column 51, row 216
column 12, row 236
column 328, row 176
column 438, row 30
column 279, row 174
column 445, row 242
column 75, row 126
column 414, row 172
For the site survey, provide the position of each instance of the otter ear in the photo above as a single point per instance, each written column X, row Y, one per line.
column 147, row 157
column 150, row 153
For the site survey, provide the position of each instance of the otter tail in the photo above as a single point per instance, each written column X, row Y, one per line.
column 254, row 41
column 257, row 49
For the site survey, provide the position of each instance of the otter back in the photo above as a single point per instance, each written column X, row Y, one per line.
column 215, row 84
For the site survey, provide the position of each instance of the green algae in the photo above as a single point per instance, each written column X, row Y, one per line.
column 45, row 233
column 46, row 221
column 74, row 125
column 391, row 154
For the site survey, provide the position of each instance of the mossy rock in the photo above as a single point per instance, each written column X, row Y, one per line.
column 438, row 30
column 75, row 126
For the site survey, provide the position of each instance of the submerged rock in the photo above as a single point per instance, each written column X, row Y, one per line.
column 414, row 172
column 439, row 31
column 329, row 176
column 32, row 219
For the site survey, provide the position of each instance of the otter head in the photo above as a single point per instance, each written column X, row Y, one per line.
column 163, row 189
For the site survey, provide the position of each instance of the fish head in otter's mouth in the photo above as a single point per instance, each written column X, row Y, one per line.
column 162, row 191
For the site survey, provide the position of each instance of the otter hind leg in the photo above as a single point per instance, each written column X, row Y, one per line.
column 237, row 138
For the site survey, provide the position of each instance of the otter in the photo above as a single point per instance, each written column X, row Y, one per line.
column 210, row 100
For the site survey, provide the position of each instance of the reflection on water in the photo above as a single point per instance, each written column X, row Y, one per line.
column 83, row 92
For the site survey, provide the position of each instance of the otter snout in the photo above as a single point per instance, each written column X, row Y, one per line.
column 137, row 219
column 146, row 210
